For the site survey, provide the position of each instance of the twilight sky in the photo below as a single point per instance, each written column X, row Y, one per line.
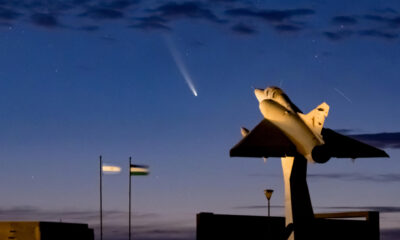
column 79, row 79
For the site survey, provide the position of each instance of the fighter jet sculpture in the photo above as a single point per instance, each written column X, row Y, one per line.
column 297, row 138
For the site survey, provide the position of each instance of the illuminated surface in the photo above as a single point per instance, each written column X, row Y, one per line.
column 268, row 193
column 111, row 169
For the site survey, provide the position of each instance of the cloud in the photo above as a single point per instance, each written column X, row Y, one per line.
column 120, row 4
column 8, row 14
column 243, row 29
column 390, row 22
column 257, row 207
column 74, row 15
column 151, row 26
column 379, row 178
column 89, row 28
column 344, row 20
column 146, row 226
column 27, row 212
column 381, row 209
column 45, row 20
column 376, row 18
column 381, row 140
column 386, row 10
column 99, row 13
column 287, row 28
column 155, row 232
column 379, row 34
column 173, row 10
column 390, row 234
column 337, row 35
column 344, row 131
column 272, row 16
column 151, row 23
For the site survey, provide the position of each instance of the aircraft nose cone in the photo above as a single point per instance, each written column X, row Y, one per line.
column 260, row 94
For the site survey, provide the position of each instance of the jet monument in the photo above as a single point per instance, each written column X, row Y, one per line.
column 297, row 138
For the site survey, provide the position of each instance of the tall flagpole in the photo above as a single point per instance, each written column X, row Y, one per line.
column 101, row 199
column 130, row 162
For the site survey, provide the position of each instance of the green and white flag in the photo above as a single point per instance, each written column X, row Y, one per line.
column 139, row 170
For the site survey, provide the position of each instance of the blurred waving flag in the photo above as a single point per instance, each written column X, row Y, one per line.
column 110, row 169
column 139, row 170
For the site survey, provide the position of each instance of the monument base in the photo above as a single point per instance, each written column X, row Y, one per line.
column 328, row 226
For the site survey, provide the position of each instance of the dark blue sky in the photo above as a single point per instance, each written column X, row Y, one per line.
column 84, row 78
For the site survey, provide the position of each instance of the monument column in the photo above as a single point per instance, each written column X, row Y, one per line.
column 298, row 208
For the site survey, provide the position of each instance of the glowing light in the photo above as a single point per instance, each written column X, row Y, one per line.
column 111, row 169
column 181, row 66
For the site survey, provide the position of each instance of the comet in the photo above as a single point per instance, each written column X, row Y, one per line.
column 181, row 65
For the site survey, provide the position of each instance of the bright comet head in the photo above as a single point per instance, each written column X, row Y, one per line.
column 181, row 66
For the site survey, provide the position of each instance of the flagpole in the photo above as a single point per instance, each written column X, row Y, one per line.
column 101, row 199
column 130, row 162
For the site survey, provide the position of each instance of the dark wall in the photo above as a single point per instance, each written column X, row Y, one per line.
column 215, row 226
column 65, row 231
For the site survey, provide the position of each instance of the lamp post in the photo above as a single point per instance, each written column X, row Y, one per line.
column 268, row 194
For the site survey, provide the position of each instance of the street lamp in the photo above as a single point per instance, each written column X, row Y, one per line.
column 268, row 194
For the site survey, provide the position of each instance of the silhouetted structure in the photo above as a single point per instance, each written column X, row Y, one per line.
column 45, row 231
column 327, row 226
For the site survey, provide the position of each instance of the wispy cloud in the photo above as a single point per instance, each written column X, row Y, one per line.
column 393, row 22
column 275, row 16
column 173, row 10
column 99, row 13
column 8, row 14
column 288, row 28
column 29, row 212
column 156, row 232
column 390, row 234
column 45, row 20
column 345, row 131
column 381, row 140
column 151, row 23
column 146, row 225
column 338, row 35
column 257, row 207
column 244, row 17
column 379, row 34
column 344, row 20
column 244, row 29
column 380, row 178
column 382, row 209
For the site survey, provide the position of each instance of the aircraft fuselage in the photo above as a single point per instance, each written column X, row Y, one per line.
column 277, row 108
column 292, row 125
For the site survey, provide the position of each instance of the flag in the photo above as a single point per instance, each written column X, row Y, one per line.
column 111, row 169
column 139, row 170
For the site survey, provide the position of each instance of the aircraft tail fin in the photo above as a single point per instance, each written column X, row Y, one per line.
column 316, row 118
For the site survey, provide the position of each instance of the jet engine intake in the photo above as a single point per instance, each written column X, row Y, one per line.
column 320, row 154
